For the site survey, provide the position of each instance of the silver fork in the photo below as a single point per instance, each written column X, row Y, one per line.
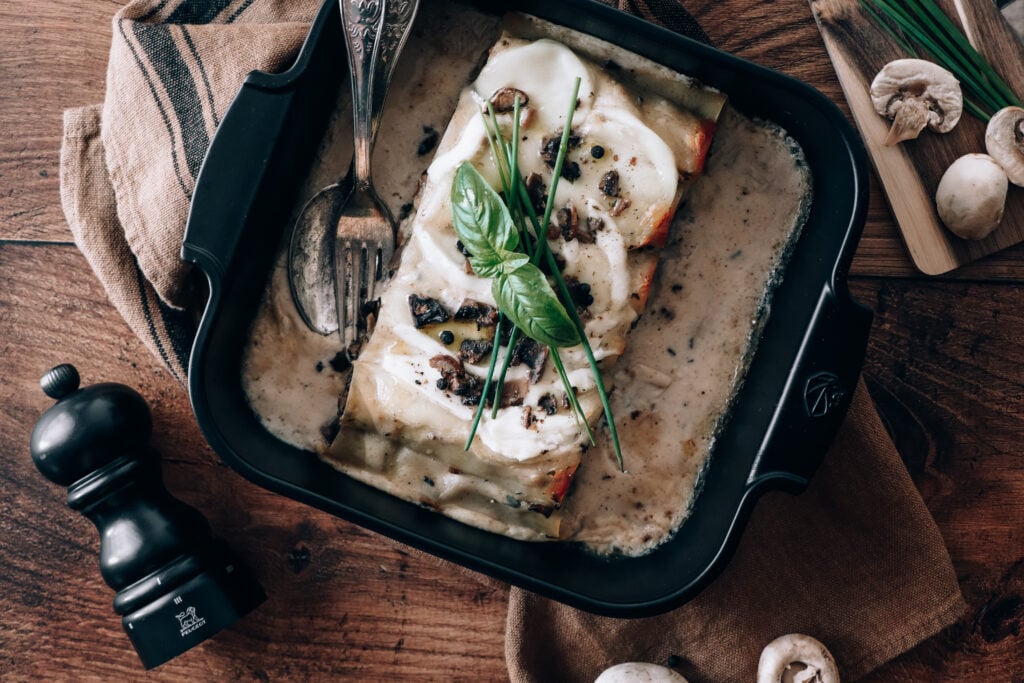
column 364, row 241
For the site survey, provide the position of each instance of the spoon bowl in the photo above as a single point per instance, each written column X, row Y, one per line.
column 310, row 258
column 345, row 235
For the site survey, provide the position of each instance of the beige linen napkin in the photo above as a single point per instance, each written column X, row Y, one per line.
column 856, row 561
column 128, row 166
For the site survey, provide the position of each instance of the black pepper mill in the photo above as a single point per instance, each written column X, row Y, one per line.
column 176, row 585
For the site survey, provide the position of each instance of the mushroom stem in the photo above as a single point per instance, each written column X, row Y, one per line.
column 909, row 121
column 785, row 651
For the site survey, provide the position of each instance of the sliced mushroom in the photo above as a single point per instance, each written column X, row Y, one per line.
column 1004, row 142
column 971, row 196
column 639, row 672
column 504, row 99
column 915, row 93
column 786, row 651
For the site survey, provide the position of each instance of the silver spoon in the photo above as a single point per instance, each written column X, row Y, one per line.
column 322, row 270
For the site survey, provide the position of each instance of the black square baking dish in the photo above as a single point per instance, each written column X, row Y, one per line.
column 795, row 394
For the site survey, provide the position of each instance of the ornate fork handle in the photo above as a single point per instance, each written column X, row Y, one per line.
column 375, row 32
column 363, row 22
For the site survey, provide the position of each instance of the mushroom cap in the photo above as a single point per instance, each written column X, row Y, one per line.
column 639, row 672
column 915, row 93
column 1004, row 142
column 971, row 196
column 792, row 648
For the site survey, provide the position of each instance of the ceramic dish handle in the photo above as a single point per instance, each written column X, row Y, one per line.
column 215, row 226
column 819, row 391
column 241, row 176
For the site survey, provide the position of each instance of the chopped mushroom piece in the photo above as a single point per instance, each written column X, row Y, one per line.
column 504, row 99
column 454, row 378
column 537, row 191
column 568, row 221
column 1004, row 142
column 531, row 354
column 528, row 419
column 795, row 648
column 512, row 393
column 579, row 292
column 971, row 196
column 475, row 350
column 484, row 315
column 610, row 183
column 915, row 93
column 620, row 205
column 549, row 146
column 549, row 153
column 426, row 311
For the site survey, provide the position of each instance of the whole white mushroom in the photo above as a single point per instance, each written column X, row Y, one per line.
column 1004, row 142
column 972, row 195
column 784, row 652
column 639, row 672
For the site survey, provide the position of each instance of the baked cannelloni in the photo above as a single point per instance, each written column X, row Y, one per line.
column 418, row 380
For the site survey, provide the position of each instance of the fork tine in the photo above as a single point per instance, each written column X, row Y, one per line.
column 360, row 297
column 361, row 261
column 364, row 279
column 349, row 333
column 342, row 275
column 373, row 272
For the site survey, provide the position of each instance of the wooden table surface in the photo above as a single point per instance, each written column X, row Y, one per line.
column 945, row 364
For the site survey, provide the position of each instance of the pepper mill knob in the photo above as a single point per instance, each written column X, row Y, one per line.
column 176, row 585
column 60, row 381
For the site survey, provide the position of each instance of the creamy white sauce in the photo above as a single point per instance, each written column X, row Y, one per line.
column 683, row 361
column 687, row 355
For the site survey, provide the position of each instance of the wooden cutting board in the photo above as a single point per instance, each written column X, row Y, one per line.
column 910, row 171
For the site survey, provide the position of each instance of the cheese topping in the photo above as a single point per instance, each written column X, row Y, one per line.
column 622, row 215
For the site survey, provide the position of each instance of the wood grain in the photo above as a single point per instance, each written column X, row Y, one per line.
column 946, row 368
column 61, row 62
column 53, row 57
column 945, row 364
column 910, row 171
column 344, row 603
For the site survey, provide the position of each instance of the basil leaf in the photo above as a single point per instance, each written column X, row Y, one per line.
column 527, row 299
column 485, row 268
column 506, row 262
column 512, row 260
column 481, row 219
